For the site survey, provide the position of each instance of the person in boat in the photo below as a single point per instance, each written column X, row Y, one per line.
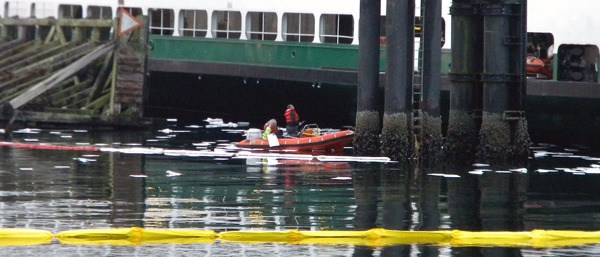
column 270, row 128
column 291, row 121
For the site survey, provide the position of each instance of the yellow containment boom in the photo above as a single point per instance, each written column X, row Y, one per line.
column 136, row 236
column 24, row 236
column 377, row 237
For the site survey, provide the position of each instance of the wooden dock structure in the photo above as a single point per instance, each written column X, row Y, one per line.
column 70, row 71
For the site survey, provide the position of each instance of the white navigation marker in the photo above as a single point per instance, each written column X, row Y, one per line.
column 127, row 22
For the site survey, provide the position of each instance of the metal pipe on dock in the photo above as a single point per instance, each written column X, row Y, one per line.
column 396, row 136
column 366, row 140
column 465, row 93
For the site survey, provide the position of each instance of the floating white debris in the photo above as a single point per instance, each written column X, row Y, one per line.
column 522, row 170
column 66, row 136
column 172, row 173
column 545, row 170
column 27, row 131
column 193, row 126
column 592, row 171
column 133, row 150
column 90, row 156
column 244, row 155
column 26, row 169
column 82, row 143
column 202, row 144
column 31, row 140
column 444, row 175
column 172, row 120
column 194, row 153
column 452, row 176
column 166, row 131
column 342, row 178
column 539, row 154
column 503, row 171
column 55, row 132
column 476, row 172
column 62, row 167
column 138, row 176
column 80, row 131
column 480, row 165
column 84, row 160
column 328, row 158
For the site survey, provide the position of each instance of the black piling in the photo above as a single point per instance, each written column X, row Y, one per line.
column 465, row 93
column 366, row 140
column 431, row 149
column 400, row 44
column 503, row 133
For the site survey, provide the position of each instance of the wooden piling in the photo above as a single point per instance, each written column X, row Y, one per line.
column 400, row 44
column 465, row 93
column 432, row 141
column 366, row 140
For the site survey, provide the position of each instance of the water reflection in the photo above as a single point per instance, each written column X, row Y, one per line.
column 62, row 190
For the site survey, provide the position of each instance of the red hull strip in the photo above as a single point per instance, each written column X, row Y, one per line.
column 334, row 141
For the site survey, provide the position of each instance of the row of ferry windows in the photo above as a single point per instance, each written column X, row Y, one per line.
column 299, row 27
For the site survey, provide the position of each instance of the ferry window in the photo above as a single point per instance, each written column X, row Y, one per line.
column 261, row 25
column 161, row 21
column 135, row 12
column 99, row 12
column 193, row 23
column 299, row 27
column 227, row 24
column 337, row 29
column 66, row 11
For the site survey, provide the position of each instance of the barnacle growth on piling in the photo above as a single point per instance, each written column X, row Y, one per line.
column 366, row 138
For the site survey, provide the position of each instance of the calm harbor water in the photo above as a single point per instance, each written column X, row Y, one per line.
column 58, row 190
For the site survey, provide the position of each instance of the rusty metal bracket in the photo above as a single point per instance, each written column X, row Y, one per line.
column 500, row 78
column 464, row 77
column 513, row 115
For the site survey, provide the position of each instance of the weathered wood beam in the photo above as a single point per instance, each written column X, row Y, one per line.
column 60, row 35
column 11, row 44
column 65, row 57
column 71, row 111
column 12, row 92
column 14, row 47
column 69, row 94
column 99, row 103
column 103, row 76
column 78, row 100
column 32, row 55
column 60, row 22
column 61, row 75
column 13, row 81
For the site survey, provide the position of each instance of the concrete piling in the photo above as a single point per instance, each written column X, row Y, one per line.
column 366, row 140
